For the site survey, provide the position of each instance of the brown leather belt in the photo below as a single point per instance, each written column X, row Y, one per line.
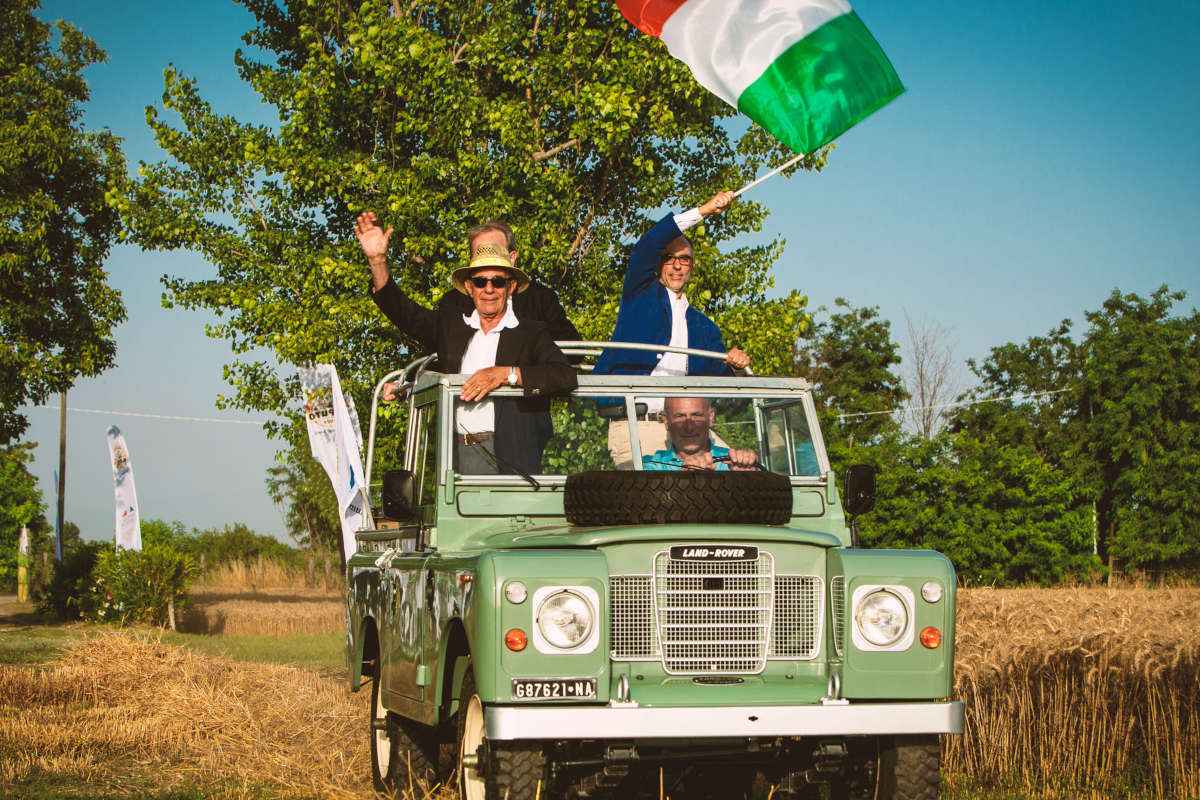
column 473, row 438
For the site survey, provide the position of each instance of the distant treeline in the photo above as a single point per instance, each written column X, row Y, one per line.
column 1072, row 454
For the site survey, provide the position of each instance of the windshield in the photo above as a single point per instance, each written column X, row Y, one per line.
column 636, row 432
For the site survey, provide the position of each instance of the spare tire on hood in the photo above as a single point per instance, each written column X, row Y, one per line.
column 633, row 498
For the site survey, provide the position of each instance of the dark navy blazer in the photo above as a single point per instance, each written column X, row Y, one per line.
column 645, row 314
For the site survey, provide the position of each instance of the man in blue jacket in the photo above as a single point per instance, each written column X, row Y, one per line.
column 655, row 310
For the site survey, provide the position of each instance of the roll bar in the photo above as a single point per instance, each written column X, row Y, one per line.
column 408, row 375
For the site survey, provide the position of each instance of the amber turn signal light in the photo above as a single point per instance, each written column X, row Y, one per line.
column 516, row 639
column 931, row 637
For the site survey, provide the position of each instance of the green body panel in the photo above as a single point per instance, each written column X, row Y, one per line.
column 918, row 671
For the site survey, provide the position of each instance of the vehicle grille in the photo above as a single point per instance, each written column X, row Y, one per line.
column 797, row 628
column 837, row 605
column 715, row 617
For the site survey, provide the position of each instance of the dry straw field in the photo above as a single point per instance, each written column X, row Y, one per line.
column 264, row 599
column 1069, row 693
column 127, row 717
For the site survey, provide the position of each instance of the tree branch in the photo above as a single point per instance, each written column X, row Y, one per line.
column 542, row 155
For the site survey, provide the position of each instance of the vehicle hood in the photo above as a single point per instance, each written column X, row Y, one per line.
column 567, row 536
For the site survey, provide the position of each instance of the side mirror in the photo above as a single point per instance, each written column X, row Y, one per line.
column 860, row 489
column 398, row 499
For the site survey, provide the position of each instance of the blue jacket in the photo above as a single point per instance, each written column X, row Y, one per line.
column 645, row 314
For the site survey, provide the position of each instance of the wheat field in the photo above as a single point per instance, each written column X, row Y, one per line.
column 1068, row 692
column 1081, row 691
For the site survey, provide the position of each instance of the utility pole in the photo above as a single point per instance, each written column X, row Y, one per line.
column 62, row 474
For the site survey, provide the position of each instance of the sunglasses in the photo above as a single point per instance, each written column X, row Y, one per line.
column 684, row 261
column 498, row 281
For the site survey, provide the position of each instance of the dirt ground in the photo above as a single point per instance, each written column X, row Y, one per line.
column 14, row 613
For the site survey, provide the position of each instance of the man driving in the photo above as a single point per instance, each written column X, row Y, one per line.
column 689, row 421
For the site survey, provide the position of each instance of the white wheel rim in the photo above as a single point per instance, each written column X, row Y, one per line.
column 382, row 744
column 472, row 778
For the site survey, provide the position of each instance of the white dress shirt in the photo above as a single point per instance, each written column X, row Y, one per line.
column 480, row 416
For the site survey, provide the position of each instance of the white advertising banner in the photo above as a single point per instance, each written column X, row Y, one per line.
column 336, row 440
column 129, row 529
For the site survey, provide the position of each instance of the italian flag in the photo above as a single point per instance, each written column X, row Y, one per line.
column 805, row 70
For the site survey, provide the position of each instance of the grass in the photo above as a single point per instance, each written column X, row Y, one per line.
column 325, row 651
column 38, row 644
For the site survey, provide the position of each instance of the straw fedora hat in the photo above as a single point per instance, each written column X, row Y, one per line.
column 489, row 255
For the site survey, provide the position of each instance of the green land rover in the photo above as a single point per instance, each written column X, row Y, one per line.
column 588, row 631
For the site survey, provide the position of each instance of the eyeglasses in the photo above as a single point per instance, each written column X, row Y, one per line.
column 498, row 281
column 684, row 260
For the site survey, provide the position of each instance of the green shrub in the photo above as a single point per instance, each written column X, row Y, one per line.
column 68, row 593
column 139, row 585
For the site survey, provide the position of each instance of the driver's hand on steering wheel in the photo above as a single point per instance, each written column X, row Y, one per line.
column 742, row 459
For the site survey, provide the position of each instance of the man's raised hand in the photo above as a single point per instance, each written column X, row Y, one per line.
column 374, row 242
column 717, row 204
column 371, row 236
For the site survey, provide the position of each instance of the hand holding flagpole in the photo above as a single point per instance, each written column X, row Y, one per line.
column 770, row 174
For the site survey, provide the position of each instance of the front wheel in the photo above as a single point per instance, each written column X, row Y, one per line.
column 495, row 770
column 893, row 768
column 397, row 761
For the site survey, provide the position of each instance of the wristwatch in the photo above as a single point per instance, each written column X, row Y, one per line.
column 512, row 376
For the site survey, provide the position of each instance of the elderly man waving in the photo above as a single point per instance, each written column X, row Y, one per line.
column 491, row 345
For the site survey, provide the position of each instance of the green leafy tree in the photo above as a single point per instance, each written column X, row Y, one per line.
column 237, row 542
column 557, row 117
column 1137, row 407
column 1118, row 412
column 303, row 491
column 998, row 512
column 849, row 357
column 58, row 313
column 20, row 504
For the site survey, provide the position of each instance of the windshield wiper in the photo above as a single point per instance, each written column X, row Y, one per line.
column 498, row 462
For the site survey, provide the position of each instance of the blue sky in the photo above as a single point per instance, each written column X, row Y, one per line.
column 1043, row 155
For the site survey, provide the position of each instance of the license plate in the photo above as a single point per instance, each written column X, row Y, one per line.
column 554, row 688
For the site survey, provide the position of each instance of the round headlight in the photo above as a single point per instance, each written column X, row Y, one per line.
column 565, row 620
column 881, row 618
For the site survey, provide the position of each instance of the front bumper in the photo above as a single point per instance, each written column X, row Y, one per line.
column 623, row 722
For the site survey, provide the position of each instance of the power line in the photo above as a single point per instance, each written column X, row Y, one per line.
column 952, row 405
column 156, row 416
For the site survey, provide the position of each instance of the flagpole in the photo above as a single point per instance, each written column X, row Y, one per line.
column 770, row 174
